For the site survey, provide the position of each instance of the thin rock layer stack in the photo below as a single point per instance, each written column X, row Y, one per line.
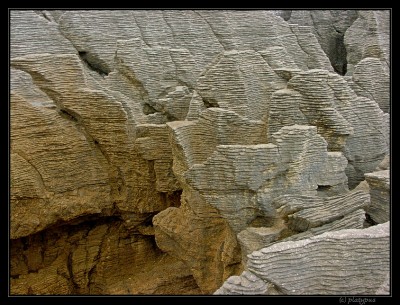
column 352, row 261
column 159, row 151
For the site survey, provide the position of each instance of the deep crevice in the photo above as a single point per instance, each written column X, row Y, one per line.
column 68, row 114
column 322, row 188
column 174, row 198
column 43, row 14
column 338, row 54
column 93, row 63
column 334, row 48
column 73, row 285
column 210, row 103
column 369, row 221
column 286, row 14
column 90, row 220
column 148, row 109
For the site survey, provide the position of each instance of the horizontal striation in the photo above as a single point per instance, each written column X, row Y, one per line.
column 241, row 81
column 245, row 284
column 352, row 220
column 341, row 262
column 32, row 33
column 379, row 185
column 307, row 212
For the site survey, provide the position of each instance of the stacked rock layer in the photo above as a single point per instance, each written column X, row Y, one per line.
column 199, row 152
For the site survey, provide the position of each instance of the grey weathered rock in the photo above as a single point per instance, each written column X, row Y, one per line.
column 352, row 220
column 368, row 36
column 329, row 27
column 306, row 212
column 164, row 77
column 385, row 164
column 339, row 114
column 379, row 184
column 342, row 262
column 34, row 32
column 255, row 238
column 238, row 81
column 302, row 217
column 198, row 139
column 384, row 289
column 371, row 79
column 239, row 180
column 152, row 150
column 245, row 284
column 221, row 30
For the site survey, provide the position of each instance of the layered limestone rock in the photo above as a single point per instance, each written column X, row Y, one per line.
column 53, row 163
column 152, row 152
column 352, row 261
column 368, row 36
column 246, row 284
column 104, row 123
column 325, row 100
column 357, row 43
column 241, row 179
column 371, row 79
column 305, row 212
column 196, row 234
column 368, row 44
column 98, row 256
column 329, row 27
column 35, row 32
column 379, row 185
column 306, row 216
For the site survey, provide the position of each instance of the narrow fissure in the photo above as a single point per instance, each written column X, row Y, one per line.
column 67, row 114
column 338, row 54
column 210, row 103
column 93, row 63
column 113, row 247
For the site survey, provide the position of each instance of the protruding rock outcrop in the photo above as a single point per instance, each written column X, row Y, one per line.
column 155, row 152
column 379, row 185
column 342, row 262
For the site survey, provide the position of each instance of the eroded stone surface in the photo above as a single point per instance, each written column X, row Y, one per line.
column 379, row 184
column 152, row 151
column 95, row 257
column 352, row 261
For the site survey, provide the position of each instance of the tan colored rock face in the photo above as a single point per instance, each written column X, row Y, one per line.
column 95, row 257
column 206, row 244
column 152, row 152
column 53, row 165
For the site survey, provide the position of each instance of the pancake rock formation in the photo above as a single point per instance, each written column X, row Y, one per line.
column 193, row 152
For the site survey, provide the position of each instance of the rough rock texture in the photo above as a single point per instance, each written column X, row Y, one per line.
column 356, row 43
column 368, row 37
column 342, row 262
column 325, row 100
column 306, row 216
column 99, row 256
column 153, row 151
column 304, row 212
column 379, row 184
column 246, row 284
column 329, row 27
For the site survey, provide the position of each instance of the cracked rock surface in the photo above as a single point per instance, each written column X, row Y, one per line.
column 197, row 152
